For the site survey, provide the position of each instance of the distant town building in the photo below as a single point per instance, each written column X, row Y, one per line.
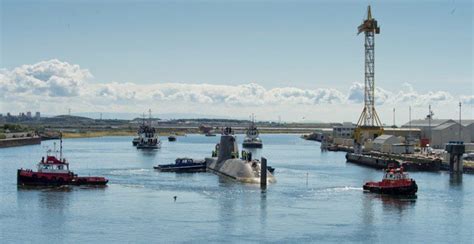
column 28, row 114
column 37, row 115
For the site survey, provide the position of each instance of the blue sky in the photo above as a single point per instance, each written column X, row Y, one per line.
column 303, row 44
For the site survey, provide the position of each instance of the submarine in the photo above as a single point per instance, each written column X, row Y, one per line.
column 225, row 161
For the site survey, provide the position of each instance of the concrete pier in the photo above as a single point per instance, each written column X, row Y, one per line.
column 15, row 142
column 263, row 174
column 455, row 150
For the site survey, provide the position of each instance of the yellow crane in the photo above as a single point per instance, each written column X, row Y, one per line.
column 369, row 125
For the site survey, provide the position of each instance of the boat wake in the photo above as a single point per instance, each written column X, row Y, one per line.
column 343, row 189
column 128, row 172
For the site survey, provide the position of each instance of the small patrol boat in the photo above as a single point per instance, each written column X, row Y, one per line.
column 183, row 165
column 171, row 138
column 147, row 136
column 135, row 141
column 395, row 182
column 55, row 172
column 252, row 139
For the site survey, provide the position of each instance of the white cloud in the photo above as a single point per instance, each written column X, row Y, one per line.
column 292, row 95
column 47, row 78
column 356, row 94
column 55, row 83
column 468, row 99
column 408, row 95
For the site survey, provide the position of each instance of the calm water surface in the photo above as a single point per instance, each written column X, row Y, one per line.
column 317, row 198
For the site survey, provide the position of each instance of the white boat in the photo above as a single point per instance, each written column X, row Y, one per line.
column 252, row 139
column 147, row 136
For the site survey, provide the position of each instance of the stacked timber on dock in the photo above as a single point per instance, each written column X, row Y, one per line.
column 340, row 148
column 372, row 161
column 413, row 162
column 383, row 160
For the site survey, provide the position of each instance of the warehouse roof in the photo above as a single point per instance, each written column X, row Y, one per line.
column 383, row 138
column 426, row 122
column 444, row 126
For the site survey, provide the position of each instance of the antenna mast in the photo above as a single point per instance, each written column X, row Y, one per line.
column 460, row 125
column 60, row 146
column 149, row 116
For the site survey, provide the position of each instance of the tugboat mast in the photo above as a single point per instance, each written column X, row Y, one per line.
column 149, row 116
column 60, row 146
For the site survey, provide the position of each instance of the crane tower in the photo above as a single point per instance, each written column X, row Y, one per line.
column 369, row 125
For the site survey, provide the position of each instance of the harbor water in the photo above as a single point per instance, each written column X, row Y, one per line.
column 318, row 197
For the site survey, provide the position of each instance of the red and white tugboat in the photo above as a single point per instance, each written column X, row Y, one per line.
column 394, row 182
column 55, row 172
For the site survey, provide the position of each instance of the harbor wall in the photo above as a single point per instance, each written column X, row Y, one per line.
column 15, row 142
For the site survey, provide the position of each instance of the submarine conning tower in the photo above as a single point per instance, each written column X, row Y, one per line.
column 229, row 164
column 228, row 146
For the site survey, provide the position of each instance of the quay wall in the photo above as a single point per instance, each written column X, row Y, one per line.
column 15, row 142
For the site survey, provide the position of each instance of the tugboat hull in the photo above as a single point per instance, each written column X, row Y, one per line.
column 409, row 189
column 149, row 146
column 183, row 165
column 252, row 145
column 135, row 141
column 188, row 168
column 171, row 138
column 30, row 178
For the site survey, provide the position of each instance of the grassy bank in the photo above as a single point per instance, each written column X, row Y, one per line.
column 85, row 134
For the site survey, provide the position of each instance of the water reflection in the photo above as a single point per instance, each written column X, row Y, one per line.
column 225, row 181
column 226, row 214
column 455, row 179
column 263, row 211
column 148, row 153
column 48, row 197
column 53, row 203
column 367, row 212
column 396, row 203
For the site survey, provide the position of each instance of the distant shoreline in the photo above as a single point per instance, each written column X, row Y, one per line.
column 176, row 131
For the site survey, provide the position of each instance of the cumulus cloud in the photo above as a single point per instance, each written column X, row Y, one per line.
column 468, row 99
column 47, row 78
column 62, row 83
column 293, row 95
column 408, row 95
column 357, row 90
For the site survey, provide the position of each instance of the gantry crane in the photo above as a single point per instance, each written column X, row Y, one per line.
column 368, row 125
